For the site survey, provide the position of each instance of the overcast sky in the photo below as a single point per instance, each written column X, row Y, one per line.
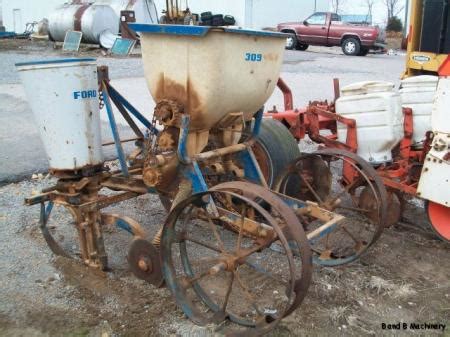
column 379, row 9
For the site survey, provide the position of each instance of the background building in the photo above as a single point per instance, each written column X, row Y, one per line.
column 249, row 13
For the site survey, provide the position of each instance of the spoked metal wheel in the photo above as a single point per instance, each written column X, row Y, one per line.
column 343, row 183
column 219, row 266
column 289, row 223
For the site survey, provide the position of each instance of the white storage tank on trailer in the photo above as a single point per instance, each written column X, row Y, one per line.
column 64, row 100
column 377, row 110
column 418, row 93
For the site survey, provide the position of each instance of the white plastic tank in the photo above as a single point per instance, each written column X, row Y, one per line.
column 440, row 115
column 376, row 108
column 417, row 93
column 63, row 97
column 92, row 20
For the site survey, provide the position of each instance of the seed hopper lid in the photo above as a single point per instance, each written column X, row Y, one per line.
column 421, row 80
column 185, row 30
column 367, row 87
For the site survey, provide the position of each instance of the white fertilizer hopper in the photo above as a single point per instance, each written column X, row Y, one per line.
column 63, row 96
column 211, row 71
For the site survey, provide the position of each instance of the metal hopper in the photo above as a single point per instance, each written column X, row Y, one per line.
column 211, row 71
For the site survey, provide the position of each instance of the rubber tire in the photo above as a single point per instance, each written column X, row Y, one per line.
column 294, row 44
column 357, row 46
column 302, row 46
column 363, row 51
column 279, row 145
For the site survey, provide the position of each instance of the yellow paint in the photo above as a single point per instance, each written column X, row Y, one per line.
column 418, row 63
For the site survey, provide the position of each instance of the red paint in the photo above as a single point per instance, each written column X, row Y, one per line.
column 439, row 217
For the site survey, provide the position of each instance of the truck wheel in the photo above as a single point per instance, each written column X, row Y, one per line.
column 302, row 46
column 275, row 148
column 291, row 42
column 351, row 46
column 363, row 51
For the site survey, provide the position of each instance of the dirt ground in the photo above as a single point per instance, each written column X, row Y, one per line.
column 404, row 278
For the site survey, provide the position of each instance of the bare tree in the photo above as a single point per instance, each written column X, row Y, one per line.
column 336, row 5
column 370, row 4
column 394, row 7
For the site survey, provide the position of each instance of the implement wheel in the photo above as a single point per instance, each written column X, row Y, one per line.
column 219, row 266
column 274, row 149
column 319, row 177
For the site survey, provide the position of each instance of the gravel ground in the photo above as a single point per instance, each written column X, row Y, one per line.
column 403, row 278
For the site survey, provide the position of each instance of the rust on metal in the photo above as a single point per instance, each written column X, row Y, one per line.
column 78, row 16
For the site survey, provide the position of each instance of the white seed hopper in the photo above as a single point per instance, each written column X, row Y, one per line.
column 211, row 71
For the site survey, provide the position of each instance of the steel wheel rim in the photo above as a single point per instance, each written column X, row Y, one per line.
column 375, row 184
column 170, row 273
column 259, row 193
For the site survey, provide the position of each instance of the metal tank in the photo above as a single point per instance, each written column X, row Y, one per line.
column 94, row 21
column 63, row 97
column 144, row 10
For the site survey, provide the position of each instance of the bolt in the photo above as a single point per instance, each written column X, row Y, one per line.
column 144, row 265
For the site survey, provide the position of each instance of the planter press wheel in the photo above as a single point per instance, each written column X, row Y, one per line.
column 318, row 177
column 439, row 218
column 219, row 274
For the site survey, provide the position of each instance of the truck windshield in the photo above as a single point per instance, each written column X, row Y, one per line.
column 317, row 19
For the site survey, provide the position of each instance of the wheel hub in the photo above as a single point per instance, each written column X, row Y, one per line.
column 350, row 47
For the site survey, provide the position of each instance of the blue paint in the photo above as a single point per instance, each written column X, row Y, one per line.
column 195, row 176
column 83, row 94
column 55, row 61
column 114, row 93
column 122, row 224
column 258, row 121
column 48, row 210
column 170, row 29
column 250, row 167
column 184, row 131
column 7, row 34
column 115, row 133
column 252, row 57
column 199, row 30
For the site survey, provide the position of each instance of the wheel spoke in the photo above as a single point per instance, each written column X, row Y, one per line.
column 241, row 228
column 247, row 293
column 188, row 282
column 202, row 243
column 227, row 295
column 345, row 190
column 319, row 199
column 214, row 230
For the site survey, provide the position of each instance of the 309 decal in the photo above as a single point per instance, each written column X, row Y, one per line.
column 252, row 57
